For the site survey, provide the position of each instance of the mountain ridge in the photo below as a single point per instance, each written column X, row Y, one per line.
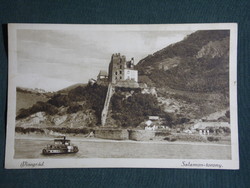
column 202, row 56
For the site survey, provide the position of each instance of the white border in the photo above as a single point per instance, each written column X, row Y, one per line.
column 11, row 163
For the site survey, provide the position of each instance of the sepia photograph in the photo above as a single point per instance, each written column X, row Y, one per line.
column 136, row 96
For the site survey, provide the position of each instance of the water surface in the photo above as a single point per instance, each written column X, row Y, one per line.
column 31, row 148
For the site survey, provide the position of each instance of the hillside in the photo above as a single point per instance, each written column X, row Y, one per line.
column 191, row 76
column 81, row 107
column 27, row 98
column 78, row 107
column 67, row 89
column 199, row 63
column 129, row 109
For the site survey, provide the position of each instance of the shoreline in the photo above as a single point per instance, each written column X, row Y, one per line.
column 93, row 139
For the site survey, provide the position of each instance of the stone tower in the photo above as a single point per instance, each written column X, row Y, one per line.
column 120, row 69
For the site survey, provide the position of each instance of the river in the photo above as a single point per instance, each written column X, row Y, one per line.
column 31, row 149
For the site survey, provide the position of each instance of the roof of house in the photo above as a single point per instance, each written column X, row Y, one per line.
column 103, row 73
column 153, row 117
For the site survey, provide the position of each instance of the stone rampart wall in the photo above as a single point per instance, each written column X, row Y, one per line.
column 141, row 135
column 113, row 134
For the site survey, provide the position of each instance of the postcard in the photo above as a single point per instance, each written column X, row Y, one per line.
column 122, row 96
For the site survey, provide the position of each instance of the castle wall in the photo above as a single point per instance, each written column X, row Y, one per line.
column 109, row 94
column 114, row 134
column 141, row 135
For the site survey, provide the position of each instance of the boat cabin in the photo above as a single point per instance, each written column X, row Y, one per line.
column 63, row 141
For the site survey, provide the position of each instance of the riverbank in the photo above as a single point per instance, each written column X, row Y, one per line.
column 84, row 138
column 124, row 134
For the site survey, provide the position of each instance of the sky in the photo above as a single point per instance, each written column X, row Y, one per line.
column 55, row 59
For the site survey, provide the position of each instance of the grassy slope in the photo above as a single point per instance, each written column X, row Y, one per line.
column 26, row 100
column 68, row 89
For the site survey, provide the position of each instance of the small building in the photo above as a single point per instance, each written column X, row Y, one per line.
column 187, row 131
column 151, row 127
column 148, row 122
column 102, row 77
column 130, row 74
column 153, row 123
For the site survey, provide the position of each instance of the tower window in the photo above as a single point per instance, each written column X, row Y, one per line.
column 120, row 72
column 115, row 73
column 120, row 66
column 120, row 77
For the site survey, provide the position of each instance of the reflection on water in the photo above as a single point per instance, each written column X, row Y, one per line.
column 29, row 148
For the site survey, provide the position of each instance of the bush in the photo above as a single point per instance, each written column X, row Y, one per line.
column 28, row 130
column 38, row 107
column 93, row 95
column 74, row 108
column 131, row 111
column 170, row 138
column 213, row 139
column 66, row 130
column 59, row 100
column 226, row 130
column 162, row 133
column 227, row 114
column 182, row 120
column 211, row 129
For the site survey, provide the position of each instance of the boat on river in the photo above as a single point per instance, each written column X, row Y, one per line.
column 60, row 146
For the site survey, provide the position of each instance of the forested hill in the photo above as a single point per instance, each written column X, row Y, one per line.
column 199, row 63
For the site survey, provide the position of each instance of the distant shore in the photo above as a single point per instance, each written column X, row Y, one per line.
column 94, row 139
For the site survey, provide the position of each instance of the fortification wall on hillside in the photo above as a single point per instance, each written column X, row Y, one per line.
column 106, row 104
